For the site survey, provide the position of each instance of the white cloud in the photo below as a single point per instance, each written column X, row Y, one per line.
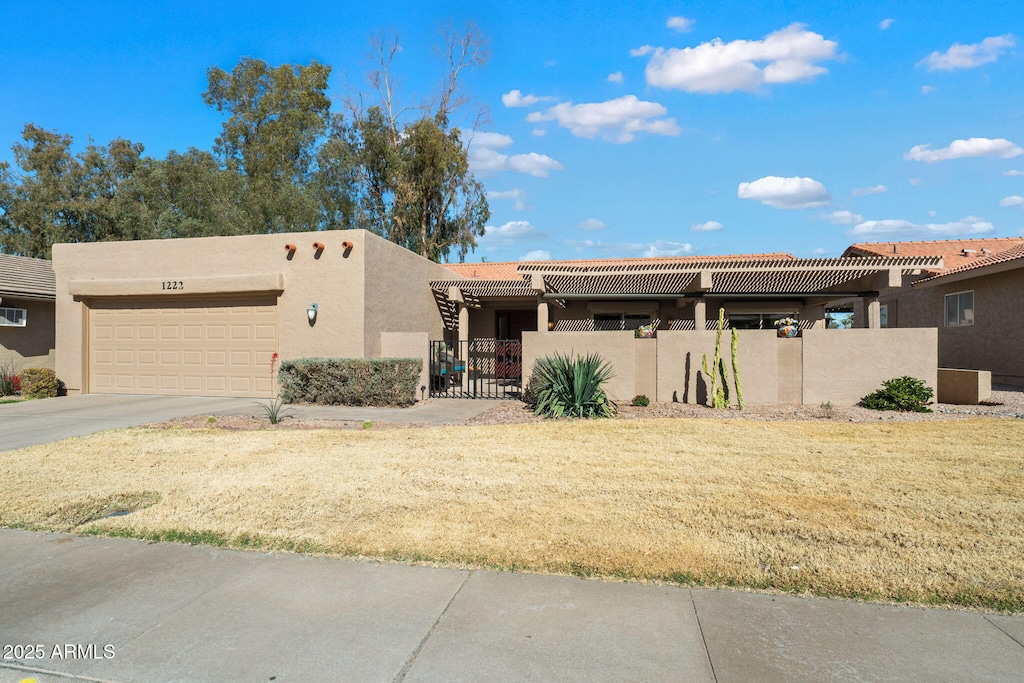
column 592, row 224
column 865, row 191
column 538, row 132
column 785, row 56
column 971, row 225
column 510, row 234
column 968, row 56
column 843, row 218
column 550, row 63
column 706, row 226
column 680, row 24
column 626, row 249
column 517, row 196
column 484, row 157
column 536, row 255
column 618, row 120
column 1013, row 173
column 927, row 89
column 885, row 24
column 1012, row 200
column 515, row 98
column 642, row 51
column 819, row 251
column 616, row 77
column 959, row 149
column 785, row 193
column 915, row 181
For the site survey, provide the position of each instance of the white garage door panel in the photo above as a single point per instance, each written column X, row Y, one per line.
column 201, row 347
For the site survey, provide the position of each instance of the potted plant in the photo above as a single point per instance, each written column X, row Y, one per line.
column 787, row 327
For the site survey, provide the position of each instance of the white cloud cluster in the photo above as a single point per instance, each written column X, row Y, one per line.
column 959, row 149
column 927, row 89
column 706, row 226
column 536, row 255
column 785, row 193
column 785, row 56
column 592, row 224
column 971, row 225
column 484, row 157
column 865, row 191
column 680, row 24
column 968, row 56
column 631, row 249
column 1012, row 200
column 517, row 196
column 1013, row 173
column 843, row 218
column 616, row 77
column 516, row 98
column 510, row 234
column 618, row 120
column 885, row 24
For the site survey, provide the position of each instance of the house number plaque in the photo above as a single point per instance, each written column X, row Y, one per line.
column 172, row 284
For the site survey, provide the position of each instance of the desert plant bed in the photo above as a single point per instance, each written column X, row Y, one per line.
column 892, row 511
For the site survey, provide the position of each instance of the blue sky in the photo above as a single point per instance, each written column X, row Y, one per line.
column 615, row 129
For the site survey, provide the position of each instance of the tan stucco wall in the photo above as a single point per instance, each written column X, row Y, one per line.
column 397, row 294
column 615, row 347
column 843, row 366
column 679, row 365
column 334, row 278
column 408, row 345
column 31, row 346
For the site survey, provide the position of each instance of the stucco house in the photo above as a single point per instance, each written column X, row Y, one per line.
column 27, row 294
column 976, row 301
column 203, row 316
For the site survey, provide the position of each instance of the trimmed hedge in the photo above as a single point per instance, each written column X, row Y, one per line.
column 350, row 381
column 39, row 383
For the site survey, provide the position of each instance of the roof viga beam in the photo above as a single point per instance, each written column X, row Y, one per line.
column 702, row 283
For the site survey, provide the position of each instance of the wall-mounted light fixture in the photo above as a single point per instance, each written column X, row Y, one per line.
column 671, row 322
column 551, row 325
column 311, row 313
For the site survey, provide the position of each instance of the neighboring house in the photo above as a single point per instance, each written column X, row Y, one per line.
column 27, row 293
column 976, row 301
column 203, row 316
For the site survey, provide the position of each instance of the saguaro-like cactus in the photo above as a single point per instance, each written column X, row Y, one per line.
column 719, row 391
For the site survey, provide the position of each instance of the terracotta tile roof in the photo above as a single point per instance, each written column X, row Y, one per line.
column 1004, row 256
column 951, row 251
column 509, row 270
column 30, row 277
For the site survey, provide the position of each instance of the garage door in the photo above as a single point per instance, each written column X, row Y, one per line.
column 195, row 347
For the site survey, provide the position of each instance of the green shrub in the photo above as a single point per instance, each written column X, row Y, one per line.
column 39, row 383
column 902, row 393
column 9, row 381
column 529, row 394
column 640, row 400
column 572, row 387
column 350, row 381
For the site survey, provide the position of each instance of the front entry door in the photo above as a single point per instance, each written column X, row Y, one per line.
column 509, row 328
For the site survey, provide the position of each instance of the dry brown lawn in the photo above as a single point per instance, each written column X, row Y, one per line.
column 925, row 512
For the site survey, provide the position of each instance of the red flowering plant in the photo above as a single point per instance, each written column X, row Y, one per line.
column 274, row 408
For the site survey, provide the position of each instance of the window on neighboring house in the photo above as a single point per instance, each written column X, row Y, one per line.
column 12, row 317
column 960, row 309
column 620, row 321
column 883, row 315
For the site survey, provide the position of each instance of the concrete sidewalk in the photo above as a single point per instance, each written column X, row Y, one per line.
column 30, row 423
column 121, row 610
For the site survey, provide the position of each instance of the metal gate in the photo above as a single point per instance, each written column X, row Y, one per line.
column 478, row 368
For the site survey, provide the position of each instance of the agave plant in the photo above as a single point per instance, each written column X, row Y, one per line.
column 572, row 387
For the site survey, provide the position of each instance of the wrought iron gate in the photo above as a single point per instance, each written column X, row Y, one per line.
column 478, row 368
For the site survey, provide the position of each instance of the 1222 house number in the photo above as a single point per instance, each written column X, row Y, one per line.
column 172, row 284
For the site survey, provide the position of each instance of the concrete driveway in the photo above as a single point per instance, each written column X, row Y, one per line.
column 30, row 423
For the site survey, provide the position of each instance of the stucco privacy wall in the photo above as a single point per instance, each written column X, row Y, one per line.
column 334, row 278
column 840, row 366
column 31, row 346
column 843, row 366
column 615, row 347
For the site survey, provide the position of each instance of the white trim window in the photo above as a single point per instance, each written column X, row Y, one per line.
column 13, row 317
column 883, row 315
column 960, row 309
